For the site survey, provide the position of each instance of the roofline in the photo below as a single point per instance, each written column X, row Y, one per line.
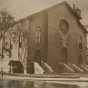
column 46, row 9
column 65, row 2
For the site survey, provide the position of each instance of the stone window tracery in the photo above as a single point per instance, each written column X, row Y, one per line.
column 64, row 31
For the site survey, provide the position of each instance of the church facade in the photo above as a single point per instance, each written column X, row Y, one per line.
column 55, row 36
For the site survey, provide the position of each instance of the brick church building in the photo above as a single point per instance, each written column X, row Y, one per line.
column 55, row 36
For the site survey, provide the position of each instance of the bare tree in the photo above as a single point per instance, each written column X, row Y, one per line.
column 6, row 21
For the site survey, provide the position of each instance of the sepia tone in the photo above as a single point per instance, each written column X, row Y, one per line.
column 53, row 36
column 49, row 46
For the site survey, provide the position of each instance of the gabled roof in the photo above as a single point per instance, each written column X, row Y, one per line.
column 62, row 3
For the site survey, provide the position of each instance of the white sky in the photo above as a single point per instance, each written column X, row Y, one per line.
column 23, row 8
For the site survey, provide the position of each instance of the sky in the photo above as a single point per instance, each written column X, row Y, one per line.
column 22, row 8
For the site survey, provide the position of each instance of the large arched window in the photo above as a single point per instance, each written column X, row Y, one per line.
column 64, row 31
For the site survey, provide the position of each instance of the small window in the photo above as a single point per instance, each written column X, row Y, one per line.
column 38, row 34
column 64, row 31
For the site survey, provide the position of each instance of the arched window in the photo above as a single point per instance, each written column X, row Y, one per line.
column 64, row 31
column 38, row 35
column 64, row 26
column 37, row 41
